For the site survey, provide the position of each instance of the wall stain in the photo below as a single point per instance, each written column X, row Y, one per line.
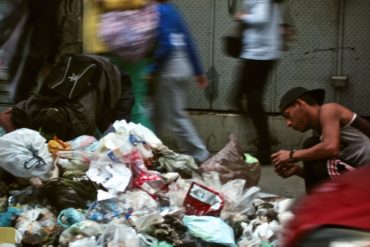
column 329, row 49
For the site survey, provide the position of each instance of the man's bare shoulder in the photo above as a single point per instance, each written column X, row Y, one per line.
column 331, row 105
column 340, row 112
column 330, row 109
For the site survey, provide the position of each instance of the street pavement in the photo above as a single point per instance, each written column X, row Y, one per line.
column 270, row 182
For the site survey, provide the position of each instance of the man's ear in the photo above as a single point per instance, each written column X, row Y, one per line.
column 301, row 104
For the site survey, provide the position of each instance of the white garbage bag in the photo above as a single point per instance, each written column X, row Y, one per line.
column 24, row 153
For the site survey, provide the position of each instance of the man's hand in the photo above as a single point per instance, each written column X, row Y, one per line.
column 288, row 169
column 280, row 157
column 238, row 15
column 202, row 81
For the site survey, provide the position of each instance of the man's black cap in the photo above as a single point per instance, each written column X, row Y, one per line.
column 295, row 93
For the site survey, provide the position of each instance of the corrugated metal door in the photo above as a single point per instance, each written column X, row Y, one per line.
column 312, row 59
column 4, row 98
column 200, row 19
column 356, row 54
column 331, row 41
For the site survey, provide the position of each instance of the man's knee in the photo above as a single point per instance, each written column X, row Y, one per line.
column 315, row 171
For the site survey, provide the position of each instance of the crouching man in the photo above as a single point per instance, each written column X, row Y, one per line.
column 340, row 141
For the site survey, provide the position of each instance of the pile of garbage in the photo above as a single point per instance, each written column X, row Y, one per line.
column 129, row 189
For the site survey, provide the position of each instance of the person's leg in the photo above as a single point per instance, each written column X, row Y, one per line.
column 160, row 113
column 127, row 100
column 122, row 110
column 239, row 90
column 169, row 103
column 140, row 112
column 255, row 79
column 40, row 39
column 315, row 172
column 25, row 80
column 23, row 67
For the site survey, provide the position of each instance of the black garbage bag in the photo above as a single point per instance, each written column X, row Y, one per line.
column 64, row 193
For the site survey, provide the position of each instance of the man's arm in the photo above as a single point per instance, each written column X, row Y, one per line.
column 260, row 14
column 329, row 146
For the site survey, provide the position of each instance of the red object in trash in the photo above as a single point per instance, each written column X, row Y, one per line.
column 341, row 203
column 201, row 200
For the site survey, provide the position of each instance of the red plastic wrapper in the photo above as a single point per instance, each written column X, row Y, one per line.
column 147, row 180
column 137, row 163
column 201, row 200
column 151, row 183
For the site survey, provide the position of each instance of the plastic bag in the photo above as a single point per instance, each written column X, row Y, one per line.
column 88, row 241
column 243, row 204
column 174, row 162
column 177, row 192
column 36, row 224
column 145, row 179
column 145, row 222
column 75, row 159
column 210, row 229
column 117, row 145
column 131, row 33
column 139, row 131
column 81, row 142
column 229, row 163
column 70, row 216
column 6, row 218
column 24, row 153
column 116, row 234
column 86, row 228
column 68, row 192
column 140, row 201
column 114, row 147
column 113, row 176
column 107, row 210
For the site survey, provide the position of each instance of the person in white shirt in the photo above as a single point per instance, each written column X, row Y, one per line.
column 262, row 43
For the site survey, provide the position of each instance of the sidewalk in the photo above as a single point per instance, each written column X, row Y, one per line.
column 270, row 182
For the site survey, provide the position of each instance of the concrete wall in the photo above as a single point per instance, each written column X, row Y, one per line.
column 214, row 129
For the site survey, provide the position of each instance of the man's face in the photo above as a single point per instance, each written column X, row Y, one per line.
column 296, row 117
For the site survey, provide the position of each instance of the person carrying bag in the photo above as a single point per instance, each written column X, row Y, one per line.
column 233, row 42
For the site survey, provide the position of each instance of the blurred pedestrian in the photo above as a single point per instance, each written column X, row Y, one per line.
column 175, row 62
column 93, row 45
column 30, row 36
column 261, row 49
column 134, row 105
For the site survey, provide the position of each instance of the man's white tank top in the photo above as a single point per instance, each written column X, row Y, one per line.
column 355, row 146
